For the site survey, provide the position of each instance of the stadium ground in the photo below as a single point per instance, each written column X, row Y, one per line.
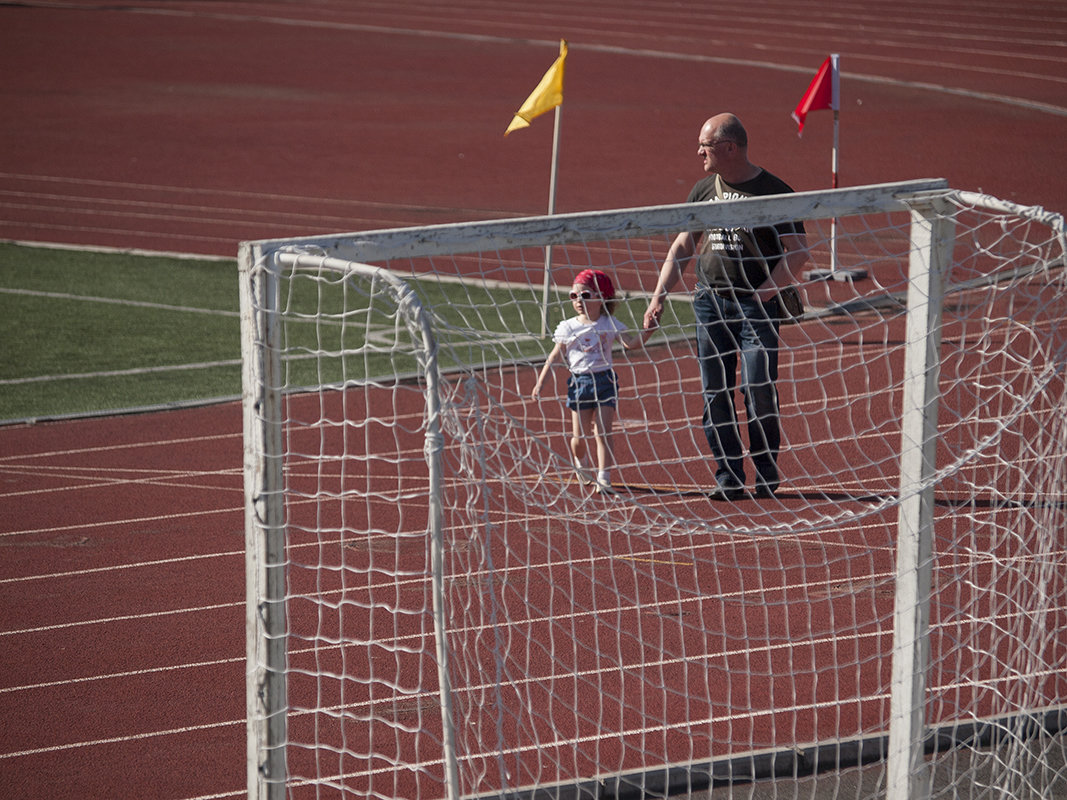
column 190, row 126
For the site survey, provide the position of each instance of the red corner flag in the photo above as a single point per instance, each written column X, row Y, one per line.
column 821, row 94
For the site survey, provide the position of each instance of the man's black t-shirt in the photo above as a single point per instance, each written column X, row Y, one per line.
column 727, row 257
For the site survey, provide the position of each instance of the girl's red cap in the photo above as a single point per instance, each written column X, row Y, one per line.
column 598, row 280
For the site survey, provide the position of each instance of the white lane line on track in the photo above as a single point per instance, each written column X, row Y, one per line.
column 638, row 52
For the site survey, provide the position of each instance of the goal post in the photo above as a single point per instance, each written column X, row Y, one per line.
column 264, row 483
column 437, row 608
column 265, row 512
column 930, row 258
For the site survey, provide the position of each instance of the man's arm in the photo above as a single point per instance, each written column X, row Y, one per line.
column 795, row 256
column 678, row 257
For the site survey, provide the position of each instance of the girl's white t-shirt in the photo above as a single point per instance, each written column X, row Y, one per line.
column 587, row 345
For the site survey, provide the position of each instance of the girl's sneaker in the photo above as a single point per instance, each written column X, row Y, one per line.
column 583, row 474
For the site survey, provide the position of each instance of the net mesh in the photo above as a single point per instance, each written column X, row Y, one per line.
column 656, row 638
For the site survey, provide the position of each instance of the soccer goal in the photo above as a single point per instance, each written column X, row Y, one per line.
column 438, row 608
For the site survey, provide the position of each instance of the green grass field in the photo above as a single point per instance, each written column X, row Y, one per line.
column 85, row 332
column 88, row 332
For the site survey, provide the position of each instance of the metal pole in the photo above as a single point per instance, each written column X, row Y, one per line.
column 265, row 615
column 931, row 251
column 551, row 210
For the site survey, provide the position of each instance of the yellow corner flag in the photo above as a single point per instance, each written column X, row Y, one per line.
column 547, row 95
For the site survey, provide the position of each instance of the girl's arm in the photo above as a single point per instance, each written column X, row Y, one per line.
column 633, row 341
column 553, row 357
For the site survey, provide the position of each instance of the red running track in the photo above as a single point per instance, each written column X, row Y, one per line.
column 190, row 127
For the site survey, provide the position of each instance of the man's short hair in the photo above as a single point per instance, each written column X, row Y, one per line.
column 733, row 130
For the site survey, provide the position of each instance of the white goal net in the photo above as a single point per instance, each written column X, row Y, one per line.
column 438, row 608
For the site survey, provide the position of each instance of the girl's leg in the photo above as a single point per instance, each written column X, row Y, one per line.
column 605, row 420
column 581, row 430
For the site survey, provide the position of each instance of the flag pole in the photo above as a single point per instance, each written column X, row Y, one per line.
column 551, row 210
column 839, row 274
column 547, row 95
column 824, row 92
column 836, row 106
column 833, row 185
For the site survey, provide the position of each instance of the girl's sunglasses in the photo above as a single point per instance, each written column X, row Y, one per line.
column 581, row 295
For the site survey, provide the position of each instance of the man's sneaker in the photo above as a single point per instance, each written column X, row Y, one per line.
column 727, row 492
column 604, row 487
column 766, row 490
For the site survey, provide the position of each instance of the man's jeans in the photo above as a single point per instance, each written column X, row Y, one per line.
column 726, row 328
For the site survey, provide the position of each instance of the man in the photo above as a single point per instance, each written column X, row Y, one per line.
column 739, row 274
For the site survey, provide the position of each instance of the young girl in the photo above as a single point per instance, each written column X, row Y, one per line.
column 585, row 341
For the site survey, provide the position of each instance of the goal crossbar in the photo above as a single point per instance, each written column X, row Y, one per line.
column 450, row 238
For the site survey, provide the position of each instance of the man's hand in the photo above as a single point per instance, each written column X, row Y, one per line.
column 653, row 313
